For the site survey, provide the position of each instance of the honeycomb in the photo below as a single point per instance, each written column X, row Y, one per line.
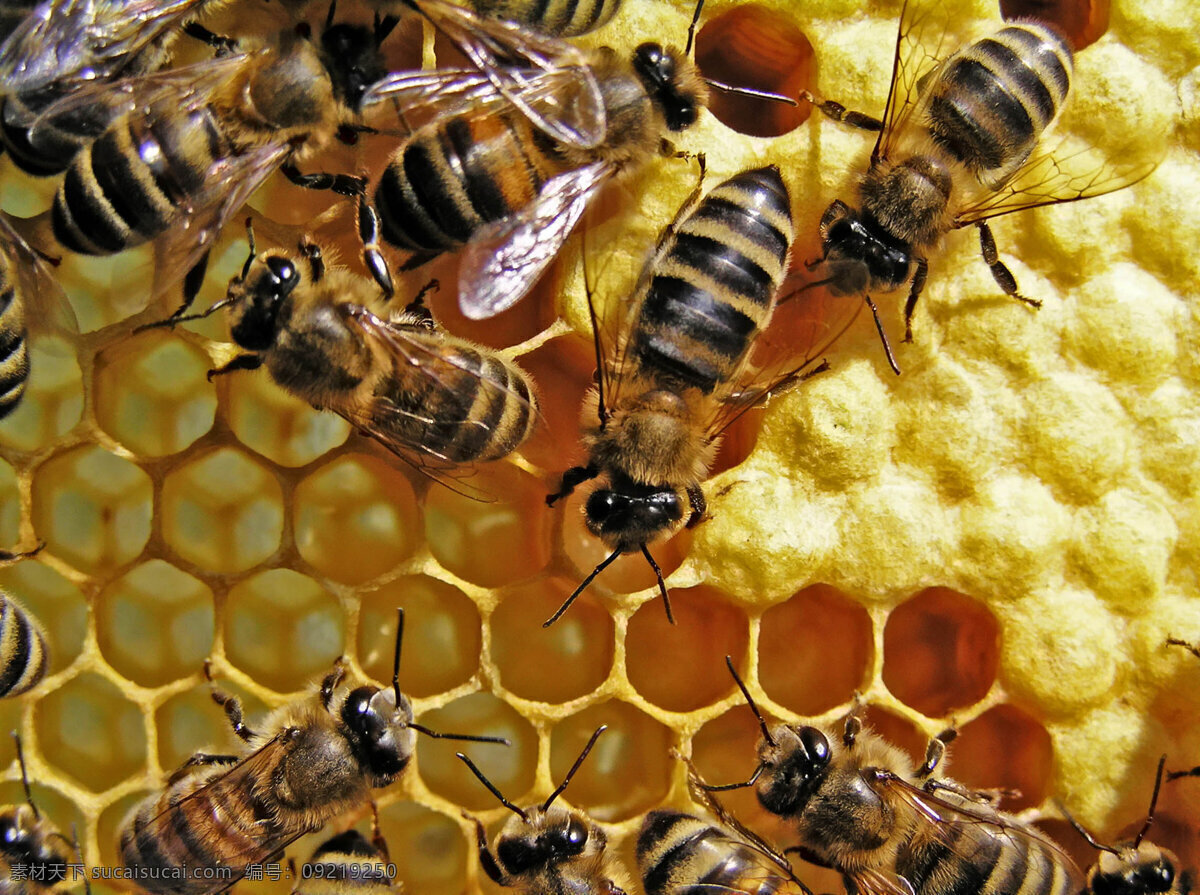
column 1001, row 539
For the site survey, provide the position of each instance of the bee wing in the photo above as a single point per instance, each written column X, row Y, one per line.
column 47, row 309
column 1064, row 172
column 921, row 45
column 505, row 258
column 400, row 429
column 64, row 42
column 238, row 847
column 515, row 61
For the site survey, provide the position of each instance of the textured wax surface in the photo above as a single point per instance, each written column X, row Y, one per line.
column 1002, row 538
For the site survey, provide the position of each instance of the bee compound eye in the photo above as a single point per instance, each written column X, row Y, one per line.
column 283, row 271
column 816, row 746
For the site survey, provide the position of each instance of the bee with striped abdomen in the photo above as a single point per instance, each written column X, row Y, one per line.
column 1138, row 867
column 546, row 850
column 61, row 46
column 23, row 657
column 679, row 370
column 859, row 806
column 962, row 141
column 328, row 336
column 561, row 18
column 349, row 864
column 31, row 842
column 310, row 762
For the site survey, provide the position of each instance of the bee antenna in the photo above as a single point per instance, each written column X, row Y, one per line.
column 519, row 812
column 1091, row 840
column 751, row 91
column 465, row 737
column 762, row 723
column 253, row 251
column 384, row 27
column 691, row 38
column 24, row 775
column 87, row 887
column 1158, row 779
column 329, row 17
column 662, row 585
column 604, row 564
column 575, row 767
column 396, row 659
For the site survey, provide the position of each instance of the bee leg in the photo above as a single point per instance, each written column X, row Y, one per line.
column 342, row 184
column 368, row 233
column 851, row 731
column 231, row 704
column 1190, row 647
column 200, row 760
column 417, row 313
column 699, row 506
column 7, row 557
column 662, row 585
column 223, row 45
column 689, row 205
column 316, row 260
column 241, row 362
column 835, row 110
column 914, row 292
column 1000, row 272
column 486, row 859
column 331, row 680
column 935, row 751
column 571, row 479
column 420, row 259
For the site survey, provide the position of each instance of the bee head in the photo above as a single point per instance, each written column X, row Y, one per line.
column 793, row 762
column 563, row 835
column 351, row 55
column 1145, row 870
column 661, row 70
column 627, row 514
column 22, row 843
column 262, row 292
column 380, row 731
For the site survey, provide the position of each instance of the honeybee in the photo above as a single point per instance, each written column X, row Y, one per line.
column 1137, row 867
column 507, row 171
column 310, row 762
column 59, row 46
column 348, row 864
column 31, row 842
column 327, row 336
column 859, row 806
column 557, row 18
column 679, row 370
column 962, row 140
column 547, row 849
column 23, row 656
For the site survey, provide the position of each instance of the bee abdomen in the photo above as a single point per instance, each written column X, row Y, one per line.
column 994, row 99
column 126, row 186
column 679, row 854
column 22, row 649
column 985, row 865
column 447, row 182
column 14, row 351
column 714, row 287
column 58, row 141
column 559, row 18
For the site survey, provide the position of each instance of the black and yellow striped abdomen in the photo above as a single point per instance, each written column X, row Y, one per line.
column 992, row 101
column 680, row 854
column 559, row 18
column 447, row 182
column 130, row 184
column 58, row 141
column 477, row 406
column 977, row 858
column 22, row 649
column 14, row 348
column 714, row 285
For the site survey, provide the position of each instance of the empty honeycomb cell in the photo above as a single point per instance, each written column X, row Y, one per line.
column 814, row 651
column 60, row 607
column 941, row 650
column 92, row 508
column 492, row 543
column 1008, row 749
column 628, row 573
column 510, row 768
column 222, row 511
column 1083, row 22
column 151, row 393
column 629, row 770
column 575, row 653
column 282, row 628
column 356, row 518
column 278, row 425
column 442, row 635
column 53, row 401
column 681, row 667
column 427, row 847
column 91, row 731
column 155, row 624
column 103, row 285
column 190, row 722
column 760, row 48
column 10, row 505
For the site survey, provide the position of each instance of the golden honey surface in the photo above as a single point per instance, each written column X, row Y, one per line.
column 1001, row 539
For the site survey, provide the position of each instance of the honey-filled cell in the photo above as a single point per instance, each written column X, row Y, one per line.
column 442, row 634
column 1008, row 749
column 680, row 667
column 575, row 654
column 814, row 651
column 427, row 847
